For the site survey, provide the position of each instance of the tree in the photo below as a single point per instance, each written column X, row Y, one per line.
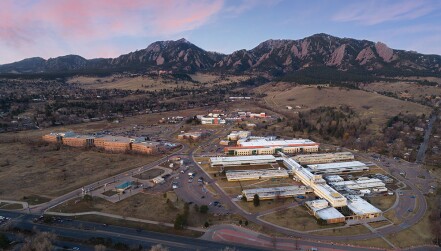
column 180, row 221
column 41, row 241
column 100, row 247
column 196, row 208
column 256, row 200
column 206, row 224
column 4, row 241
column 246, row 223
column 158, row 247
column 203, row 209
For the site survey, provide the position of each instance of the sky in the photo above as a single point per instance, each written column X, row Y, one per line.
column 109, row 28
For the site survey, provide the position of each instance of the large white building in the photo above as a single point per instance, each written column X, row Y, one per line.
column 338, row 168
column 361, row 183
column 275, row 192
column 258, row 146
column 236, row 135
column 242, row 160
column 318, row 158
column 256, row 174
column 361, row 208
column 316, row 182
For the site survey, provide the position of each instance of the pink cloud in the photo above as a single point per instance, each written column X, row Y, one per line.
column 74, row 23
column 376, row 12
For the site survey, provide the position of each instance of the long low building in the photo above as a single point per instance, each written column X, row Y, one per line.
column 242, row 160
column 108, row 142
column 259, row 146
column 359, row 184
column 316, row 182
column 256, row 174
column 275, row 192
column 338, row 168
column 361, row 208
column 318, row 158
column 79, row 141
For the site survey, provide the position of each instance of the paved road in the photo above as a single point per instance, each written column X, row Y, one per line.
column 133, row 238
column 423, row 147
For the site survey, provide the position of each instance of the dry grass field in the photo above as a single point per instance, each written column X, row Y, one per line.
column 41, row 169
column 264, row 205
column 367, row 104
column 296, row 218
column 30, row 168
column 416, row 91
column 150, row 83
column 373, row 243
column 383, row 202
column 346, row 231
column 144, row 206
column 379, row 224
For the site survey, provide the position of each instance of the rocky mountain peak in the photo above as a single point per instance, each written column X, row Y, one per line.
column 384, row 51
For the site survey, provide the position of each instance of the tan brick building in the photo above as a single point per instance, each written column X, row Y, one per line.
column 147, row 147
column 52, row 138
column 79, row 141
column 114, row 143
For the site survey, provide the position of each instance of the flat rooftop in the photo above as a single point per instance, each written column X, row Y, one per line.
column 318, row 155
column 336, row 165
column 244, row 158
column 256, row 174
column 265, row 142
column 329, row 213
column 110, row 138
column 80, row 136
column 360, row 206
column 147, row 143
column 274, row 189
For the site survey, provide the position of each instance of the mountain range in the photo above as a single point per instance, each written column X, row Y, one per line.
column 273, row 57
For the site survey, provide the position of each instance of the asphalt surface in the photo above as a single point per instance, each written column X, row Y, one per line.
column 83, row 231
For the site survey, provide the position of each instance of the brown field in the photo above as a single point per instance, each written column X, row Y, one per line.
column 211, row 79
column 296, row 218
column 149, row 83
column 374, row 243
column 417, row 91
column 264, row 205
column 144, row 206
column 378, row 224
column 40, row 169
column 367, row 104
column 383, row 202
column 347, row 231
column 150, row 174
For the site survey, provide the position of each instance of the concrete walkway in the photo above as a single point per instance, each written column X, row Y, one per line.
column 24, row 204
